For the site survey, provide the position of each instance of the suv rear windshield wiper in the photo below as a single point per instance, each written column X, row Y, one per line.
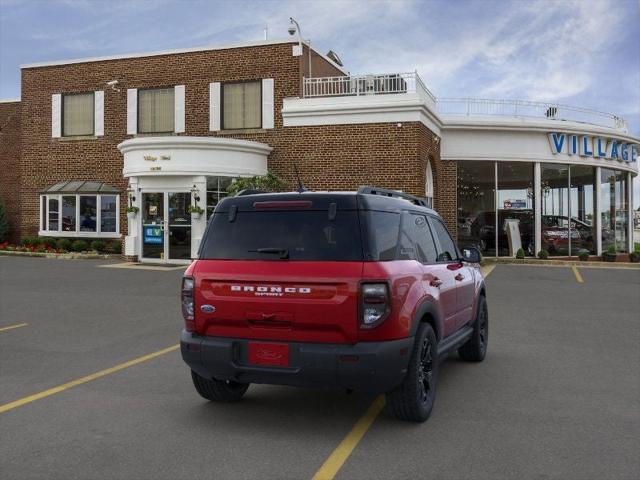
column 283, row 252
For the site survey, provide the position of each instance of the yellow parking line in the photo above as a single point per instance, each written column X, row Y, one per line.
column 577, row 274
column 11, row 327
column 74, row 383
column 335, row 461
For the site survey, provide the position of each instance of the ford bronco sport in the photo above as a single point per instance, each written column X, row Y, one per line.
column 361, row 290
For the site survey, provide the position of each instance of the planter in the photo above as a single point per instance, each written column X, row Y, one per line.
column 131, row 216
column 634, row 257
column 609, row 257
column 195, row 215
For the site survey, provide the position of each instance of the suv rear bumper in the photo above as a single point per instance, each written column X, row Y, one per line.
column 366, row 366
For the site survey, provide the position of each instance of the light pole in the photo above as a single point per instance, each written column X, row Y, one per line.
column 294, row 27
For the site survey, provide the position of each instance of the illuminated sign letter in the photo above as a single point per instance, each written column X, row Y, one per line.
column 614, row 150
column 600, row 149
column 573, row 145
column 556, row 140
column 586, row 148
column 634, row 153
column 624, row 152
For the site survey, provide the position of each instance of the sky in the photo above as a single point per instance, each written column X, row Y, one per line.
column 584, row 53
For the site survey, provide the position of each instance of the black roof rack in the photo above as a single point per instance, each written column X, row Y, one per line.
column 394, row 194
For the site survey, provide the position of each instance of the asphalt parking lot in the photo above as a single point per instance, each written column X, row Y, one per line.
column 557, row 397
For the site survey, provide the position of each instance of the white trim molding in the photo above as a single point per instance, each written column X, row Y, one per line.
column 391, row 108
column 179, row 101
column 56, row 115
column 132, row 111
column 214, row 107
column 98, row 112
column 183, row 155
column 268, row 103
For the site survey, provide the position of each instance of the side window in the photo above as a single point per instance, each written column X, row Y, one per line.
column 425, row 246
column 406, row 248
column 447, row 251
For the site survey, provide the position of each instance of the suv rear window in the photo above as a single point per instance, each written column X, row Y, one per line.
column 302, row 234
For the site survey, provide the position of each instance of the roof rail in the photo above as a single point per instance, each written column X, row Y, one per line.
column 393, row 193
column 249, row 191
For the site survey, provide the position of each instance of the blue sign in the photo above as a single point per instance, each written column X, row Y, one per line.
column 588, row 146
column 153, row 235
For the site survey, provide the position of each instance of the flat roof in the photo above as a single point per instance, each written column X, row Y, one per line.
column 174, row 52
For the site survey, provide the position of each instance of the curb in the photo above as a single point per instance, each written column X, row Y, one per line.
column 560, row 263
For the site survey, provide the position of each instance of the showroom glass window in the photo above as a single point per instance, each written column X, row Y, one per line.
column 581, row 204
column 516, row 228
column 477, row 206
column 614, row 209
column 156, row 110
column 554, row 181
column 80, row 215
column 216, row 191
column 241, row 105
column 77, row 114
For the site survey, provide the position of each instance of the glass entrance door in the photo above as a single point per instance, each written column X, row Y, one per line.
column 166, row 226
column 153, row 215
column 179, row 244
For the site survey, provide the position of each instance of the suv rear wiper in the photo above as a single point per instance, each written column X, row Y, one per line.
column 283, row 252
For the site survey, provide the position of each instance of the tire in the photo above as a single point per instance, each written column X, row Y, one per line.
column 413, row 399
column 476, row 347
column 218, row 390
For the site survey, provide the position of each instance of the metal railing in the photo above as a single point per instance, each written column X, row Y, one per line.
column 402, row 83
column 528, row 109
column 357, row 85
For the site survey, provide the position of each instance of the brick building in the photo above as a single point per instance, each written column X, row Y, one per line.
column 162, row 131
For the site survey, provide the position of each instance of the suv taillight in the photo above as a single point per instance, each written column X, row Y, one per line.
column 187, row 304
column 374, row 304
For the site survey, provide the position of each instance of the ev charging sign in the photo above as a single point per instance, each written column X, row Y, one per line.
column 596, row 147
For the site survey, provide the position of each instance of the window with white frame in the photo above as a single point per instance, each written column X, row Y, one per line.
column 241, row 105
column 79, row 215
column 78, row 114
column 156, row 110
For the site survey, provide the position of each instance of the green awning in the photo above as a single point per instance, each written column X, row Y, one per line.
column 81, row 186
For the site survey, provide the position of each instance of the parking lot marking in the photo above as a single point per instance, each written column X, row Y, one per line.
column 577, row 274
column 337, row 458
column 74, row 383
column 11, row 327
column 487, row 269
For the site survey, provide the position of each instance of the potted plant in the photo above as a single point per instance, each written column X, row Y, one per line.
column 543, row 254
column 635, row 255
column 610, row 255
column 195, row 211
column 520, row 254
column 132, row 211
column 583, row 255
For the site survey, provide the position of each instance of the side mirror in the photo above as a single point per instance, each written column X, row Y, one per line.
column 471, row 255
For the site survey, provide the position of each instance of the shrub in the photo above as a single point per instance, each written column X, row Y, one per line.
column 97, row 245
column 583, row 256
column 543, row 254
column 79, row 246
column 47, row 242
column 634, row 257
column 29, row 242
column 520, row 253
column 4, row 222
column 115, row 247
column 64, row 244
column 611, row 249
column 268, row 182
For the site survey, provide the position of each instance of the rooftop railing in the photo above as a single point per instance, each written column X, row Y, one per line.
column 528, row 109
column 402, row 83
column 357, row 85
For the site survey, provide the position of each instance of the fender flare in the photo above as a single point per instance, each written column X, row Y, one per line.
column 430, row 308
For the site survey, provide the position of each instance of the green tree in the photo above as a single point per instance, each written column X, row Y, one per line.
column 4, row 222
column 268, row 183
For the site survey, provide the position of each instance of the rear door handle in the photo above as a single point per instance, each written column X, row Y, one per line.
column 435, row 282
column 459, row 277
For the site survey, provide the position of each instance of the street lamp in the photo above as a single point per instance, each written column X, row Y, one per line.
column 294, row 27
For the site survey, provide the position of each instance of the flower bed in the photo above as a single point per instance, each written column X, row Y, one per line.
column 52, row 246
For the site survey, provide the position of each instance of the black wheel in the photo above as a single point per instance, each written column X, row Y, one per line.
column 476, row 347
column 413, row 399
column 218, row 390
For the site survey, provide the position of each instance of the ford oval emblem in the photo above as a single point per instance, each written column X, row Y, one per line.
column 208, row 308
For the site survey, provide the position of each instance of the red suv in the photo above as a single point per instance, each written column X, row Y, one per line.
column 361, row 290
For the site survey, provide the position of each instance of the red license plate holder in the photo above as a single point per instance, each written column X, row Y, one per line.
column 269, row 354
